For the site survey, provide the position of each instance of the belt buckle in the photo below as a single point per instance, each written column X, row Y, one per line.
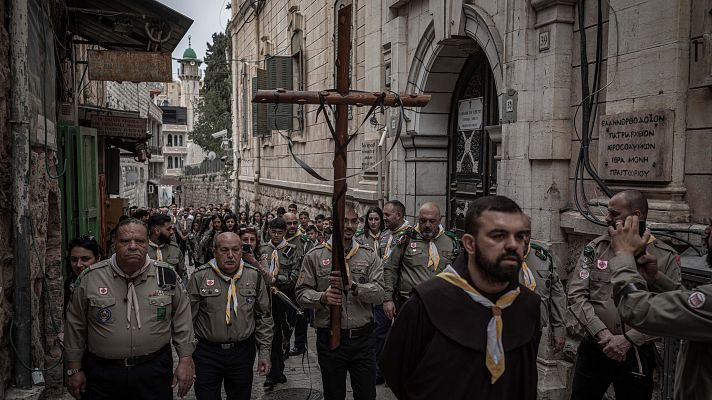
column 226, row 346
column 129, row 362
column 351, row 334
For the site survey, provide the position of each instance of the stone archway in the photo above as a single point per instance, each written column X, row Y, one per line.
column 436, row 69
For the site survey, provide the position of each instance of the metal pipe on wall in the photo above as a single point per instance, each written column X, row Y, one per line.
column 21, row 158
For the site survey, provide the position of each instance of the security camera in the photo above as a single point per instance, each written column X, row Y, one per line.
column 219, row 134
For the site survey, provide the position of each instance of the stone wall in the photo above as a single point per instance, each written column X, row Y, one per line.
column 199, row 190
column 6, row 215
column 46, row 280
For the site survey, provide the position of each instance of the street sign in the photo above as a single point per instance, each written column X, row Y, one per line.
column 131, row 66
column 124, row 127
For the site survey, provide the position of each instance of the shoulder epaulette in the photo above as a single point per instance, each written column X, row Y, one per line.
column 318, row 246
column 250, row 266
column 365, row 246
column 663, row 246
column 93, row 267
column 359, row 232
column 540, row 251
column 203, row 267
column 452, row 235
column 304, row 238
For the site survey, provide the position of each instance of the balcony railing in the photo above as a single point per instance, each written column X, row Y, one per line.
column 157, row 150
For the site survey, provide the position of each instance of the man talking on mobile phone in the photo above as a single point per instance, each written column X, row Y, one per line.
column 607, row 354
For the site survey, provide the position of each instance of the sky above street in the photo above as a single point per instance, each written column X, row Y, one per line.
column 209, row 16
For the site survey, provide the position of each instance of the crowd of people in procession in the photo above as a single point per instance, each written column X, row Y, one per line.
column 225, row 288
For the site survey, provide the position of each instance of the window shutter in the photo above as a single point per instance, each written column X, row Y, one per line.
column 279, row 76
column 260, row 125
column 88, row 185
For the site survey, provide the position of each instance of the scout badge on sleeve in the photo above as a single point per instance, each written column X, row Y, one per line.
column 696, row 300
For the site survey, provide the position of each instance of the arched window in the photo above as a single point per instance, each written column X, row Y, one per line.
column 170, row 158
column 170, row 140
column 181, row 140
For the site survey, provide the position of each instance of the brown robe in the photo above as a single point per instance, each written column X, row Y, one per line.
column 436, row 346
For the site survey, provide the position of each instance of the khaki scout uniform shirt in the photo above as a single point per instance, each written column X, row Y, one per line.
column 288, row 265
column 676, row 312
column 374, row 242
column 591, row 291
column 97, row 315
column 208, row 299
column 407, row 264
column 299, row 241
column 366, row 270
column 172, row 255
column 548, row 286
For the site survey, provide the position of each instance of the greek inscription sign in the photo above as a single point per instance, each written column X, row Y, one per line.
column 368, row 153
column 636, row 146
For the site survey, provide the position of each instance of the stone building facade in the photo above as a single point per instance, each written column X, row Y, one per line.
column 506, row 109
column 516, row 64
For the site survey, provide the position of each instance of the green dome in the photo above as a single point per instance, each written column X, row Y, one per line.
column 189, row 54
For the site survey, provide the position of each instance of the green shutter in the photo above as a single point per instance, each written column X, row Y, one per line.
column 259, row 110
column 279, row 76
column 87, row 182
column 68, row 183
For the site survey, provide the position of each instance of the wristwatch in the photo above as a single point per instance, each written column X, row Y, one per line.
column 72, row 371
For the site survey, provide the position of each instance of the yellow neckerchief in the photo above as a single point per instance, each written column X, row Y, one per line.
column 296, row 235
column 274, row 267
column 354, row 249
column 232, row 291
column 433, row 255
column 387, row 251
column 159, row 254
column 651, row 239
column 527, row 277
column 495, row 351
column 132, row 298
column 300, row 231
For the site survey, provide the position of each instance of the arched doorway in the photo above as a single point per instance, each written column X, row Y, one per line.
column 444, row 164
column 472, row 165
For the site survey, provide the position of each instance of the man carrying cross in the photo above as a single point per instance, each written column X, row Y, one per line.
column 311, row 291
column 318, row 287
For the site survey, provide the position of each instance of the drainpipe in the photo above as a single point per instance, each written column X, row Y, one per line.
column 19, row 114
column 257, row 166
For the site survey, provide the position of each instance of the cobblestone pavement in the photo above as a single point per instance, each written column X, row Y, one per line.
column 302, row 374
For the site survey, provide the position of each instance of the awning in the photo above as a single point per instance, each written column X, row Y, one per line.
column 127, row 24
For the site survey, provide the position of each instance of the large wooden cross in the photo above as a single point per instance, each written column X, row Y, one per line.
column 342, row 98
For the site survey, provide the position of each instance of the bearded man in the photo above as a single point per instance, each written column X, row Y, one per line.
column 473, row 330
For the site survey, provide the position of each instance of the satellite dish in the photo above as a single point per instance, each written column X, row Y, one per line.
column 211, row 155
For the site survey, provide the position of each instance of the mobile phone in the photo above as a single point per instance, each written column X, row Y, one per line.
column 246, row 248
column 641, row 228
